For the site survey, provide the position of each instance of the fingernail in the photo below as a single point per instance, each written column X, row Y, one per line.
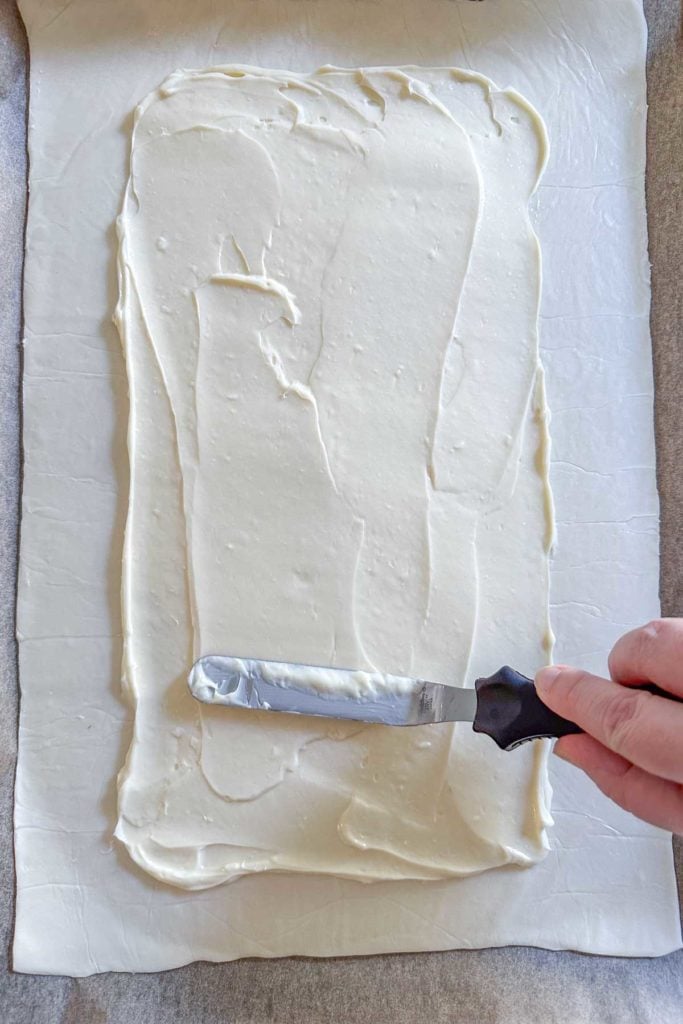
column 546, row 677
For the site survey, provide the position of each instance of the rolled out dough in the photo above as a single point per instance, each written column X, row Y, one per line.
column 329, row 295
column 607, row 884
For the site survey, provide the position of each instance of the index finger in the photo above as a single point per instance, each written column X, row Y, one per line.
column 644, row 729
column 651, row 654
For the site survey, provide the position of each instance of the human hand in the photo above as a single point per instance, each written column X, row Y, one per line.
column 632, row 746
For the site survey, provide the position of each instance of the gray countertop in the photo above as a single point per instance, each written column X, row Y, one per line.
column 506, row 986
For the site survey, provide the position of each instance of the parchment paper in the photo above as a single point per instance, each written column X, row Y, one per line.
column 212, row 1001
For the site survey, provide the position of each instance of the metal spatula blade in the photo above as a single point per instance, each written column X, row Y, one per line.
column 505, row 706
column 328, row 692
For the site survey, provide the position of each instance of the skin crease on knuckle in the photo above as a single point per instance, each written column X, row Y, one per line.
column 647, row 651
column 621, row 720
column 643, row 642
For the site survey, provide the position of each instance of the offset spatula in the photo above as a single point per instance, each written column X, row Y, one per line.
column 504, row 706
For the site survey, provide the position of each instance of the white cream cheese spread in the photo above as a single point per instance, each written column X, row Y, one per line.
column 356, row 684
column 329, row 293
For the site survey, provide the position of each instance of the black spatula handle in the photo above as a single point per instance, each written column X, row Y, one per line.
column 510, row 711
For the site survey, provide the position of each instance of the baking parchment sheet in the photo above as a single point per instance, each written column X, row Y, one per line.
column 608, row 884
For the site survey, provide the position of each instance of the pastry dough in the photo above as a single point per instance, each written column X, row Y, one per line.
column 607, row 885
column 328, row 301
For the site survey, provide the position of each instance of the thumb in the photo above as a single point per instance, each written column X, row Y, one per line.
column 644, row 729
